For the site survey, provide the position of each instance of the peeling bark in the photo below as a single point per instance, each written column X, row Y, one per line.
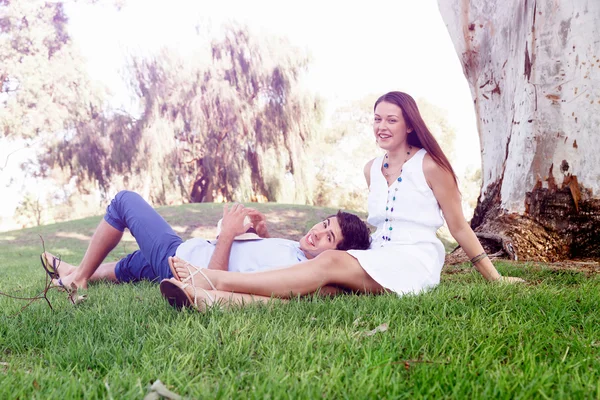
column 534, row 72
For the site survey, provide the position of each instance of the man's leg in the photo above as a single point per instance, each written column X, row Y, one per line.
column 105, row 239
column 105, row 272
column 156, row 239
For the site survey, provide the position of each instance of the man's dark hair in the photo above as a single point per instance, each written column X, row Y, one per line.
column 356, row 234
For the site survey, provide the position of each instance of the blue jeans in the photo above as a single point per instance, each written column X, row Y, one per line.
column 154, row 236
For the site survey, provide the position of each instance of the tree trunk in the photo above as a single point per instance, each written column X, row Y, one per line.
column 534, row 68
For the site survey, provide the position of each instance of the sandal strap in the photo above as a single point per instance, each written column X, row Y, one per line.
column 55, row 265
column 210, row 297
column 185, row 285
column 198, row 271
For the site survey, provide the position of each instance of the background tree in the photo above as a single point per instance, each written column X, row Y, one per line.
column 31, row 210
column 533, row 69
column 231, row 124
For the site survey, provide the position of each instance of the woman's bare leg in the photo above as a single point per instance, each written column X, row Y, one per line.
column 330, row 268
column 330, row 291
column 227, row 299
column 183, row 270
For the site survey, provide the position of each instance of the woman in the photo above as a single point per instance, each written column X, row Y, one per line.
column 408, row 187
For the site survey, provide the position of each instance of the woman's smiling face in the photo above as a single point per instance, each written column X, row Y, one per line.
column 389, row 126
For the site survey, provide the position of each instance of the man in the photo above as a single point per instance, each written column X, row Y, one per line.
column 158, row 242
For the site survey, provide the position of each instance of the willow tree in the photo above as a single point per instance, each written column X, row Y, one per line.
column 239, row 121
column 230, row 124
column 533, row 68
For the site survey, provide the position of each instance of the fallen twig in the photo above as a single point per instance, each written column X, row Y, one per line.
column 43, row 294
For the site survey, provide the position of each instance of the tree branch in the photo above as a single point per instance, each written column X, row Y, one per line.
column 13, row 152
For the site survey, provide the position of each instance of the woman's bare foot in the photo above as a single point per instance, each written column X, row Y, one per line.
column 204, row 300
column 186, row 272
column 181, row 294
column 62, row 268
column 181, row 269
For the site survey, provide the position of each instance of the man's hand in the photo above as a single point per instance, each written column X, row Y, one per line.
column 259, row 222
column 232, row 224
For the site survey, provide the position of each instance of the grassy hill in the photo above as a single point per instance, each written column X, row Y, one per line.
column 465, row 339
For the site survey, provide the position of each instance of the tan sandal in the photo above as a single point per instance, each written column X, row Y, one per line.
column 175, row 293
column 191, row 273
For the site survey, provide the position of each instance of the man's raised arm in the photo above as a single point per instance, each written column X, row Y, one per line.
column 231, row 226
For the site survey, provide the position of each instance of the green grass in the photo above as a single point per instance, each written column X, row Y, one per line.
column 464, row 339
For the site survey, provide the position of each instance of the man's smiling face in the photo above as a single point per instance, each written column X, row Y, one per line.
column 325, row 235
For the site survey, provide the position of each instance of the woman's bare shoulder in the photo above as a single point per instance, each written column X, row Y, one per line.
column 429, row 164
column 434, row 172
column 431, row 167
column 367, row 171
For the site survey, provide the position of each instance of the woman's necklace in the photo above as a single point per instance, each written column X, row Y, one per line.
column 398, row 171
column 389, row 205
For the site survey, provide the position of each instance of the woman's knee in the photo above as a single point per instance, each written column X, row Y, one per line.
column 338, row 259
column 343, row 269
column 329, row 257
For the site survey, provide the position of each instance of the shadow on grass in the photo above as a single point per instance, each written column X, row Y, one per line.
column 560, row 274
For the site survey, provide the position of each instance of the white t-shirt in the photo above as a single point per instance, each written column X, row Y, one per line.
column 245, row 256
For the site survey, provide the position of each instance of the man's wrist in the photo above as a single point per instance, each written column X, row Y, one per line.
column 229, row 236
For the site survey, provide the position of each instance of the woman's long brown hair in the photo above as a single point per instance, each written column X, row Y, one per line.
column 420, row 135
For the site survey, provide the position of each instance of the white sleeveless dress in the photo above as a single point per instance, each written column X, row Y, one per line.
column 408, row 258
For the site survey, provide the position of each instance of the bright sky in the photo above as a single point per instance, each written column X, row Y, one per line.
column 356, row 50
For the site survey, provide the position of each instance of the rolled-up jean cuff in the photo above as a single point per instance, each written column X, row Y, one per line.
column 114, row 223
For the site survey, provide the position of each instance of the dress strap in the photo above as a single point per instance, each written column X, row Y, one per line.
column 420, row 155
column 416, row 162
